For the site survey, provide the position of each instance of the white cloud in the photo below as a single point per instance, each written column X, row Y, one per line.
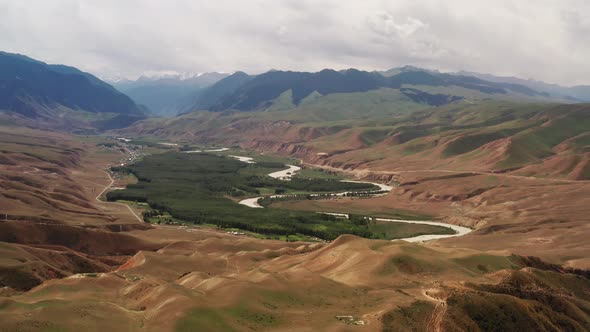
column 543, row 39
column 387, row 25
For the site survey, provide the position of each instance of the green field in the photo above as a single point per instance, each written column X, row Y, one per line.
column 202, row 189
column 318, row 173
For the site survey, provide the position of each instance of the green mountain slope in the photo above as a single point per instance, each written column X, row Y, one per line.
column 425, row 87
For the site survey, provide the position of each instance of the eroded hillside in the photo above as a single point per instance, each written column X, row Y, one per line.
column 52, row 223
column 215, row 282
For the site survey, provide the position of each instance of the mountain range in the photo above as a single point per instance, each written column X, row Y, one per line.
column 66, row 98
column 579, row 93
column 171, row 96
column 37, row 92
column 249, row 93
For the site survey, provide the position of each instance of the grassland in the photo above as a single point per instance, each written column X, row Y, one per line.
column 318, row 173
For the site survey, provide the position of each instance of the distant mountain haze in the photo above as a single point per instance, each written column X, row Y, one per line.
column 575, row 93
column 169, row 95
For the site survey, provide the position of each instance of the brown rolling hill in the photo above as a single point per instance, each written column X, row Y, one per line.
column 225, row 283
column 51, row 223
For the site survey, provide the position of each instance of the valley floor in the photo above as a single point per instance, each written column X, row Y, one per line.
column 73, row 262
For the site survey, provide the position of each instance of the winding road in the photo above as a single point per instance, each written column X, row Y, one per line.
column 112, row 181
column 109, row 186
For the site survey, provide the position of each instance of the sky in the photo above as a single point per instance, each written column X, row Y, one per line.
column 547, row 40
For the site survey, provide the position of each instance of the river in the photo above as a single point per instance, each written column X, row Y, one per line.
column 292, row 169
column 285, row 174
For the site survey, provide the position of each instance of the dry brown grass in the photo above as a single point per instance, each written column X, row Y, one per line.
column 229, row 283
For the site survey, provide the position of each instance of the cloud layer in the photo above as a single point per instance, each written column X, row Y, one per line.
column 541, row 39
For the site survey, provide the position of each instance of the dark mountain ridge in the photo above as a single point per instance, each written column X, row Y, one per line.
column 259, row 91
column 53, row 95
column 218, row 91
column 26, row 84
